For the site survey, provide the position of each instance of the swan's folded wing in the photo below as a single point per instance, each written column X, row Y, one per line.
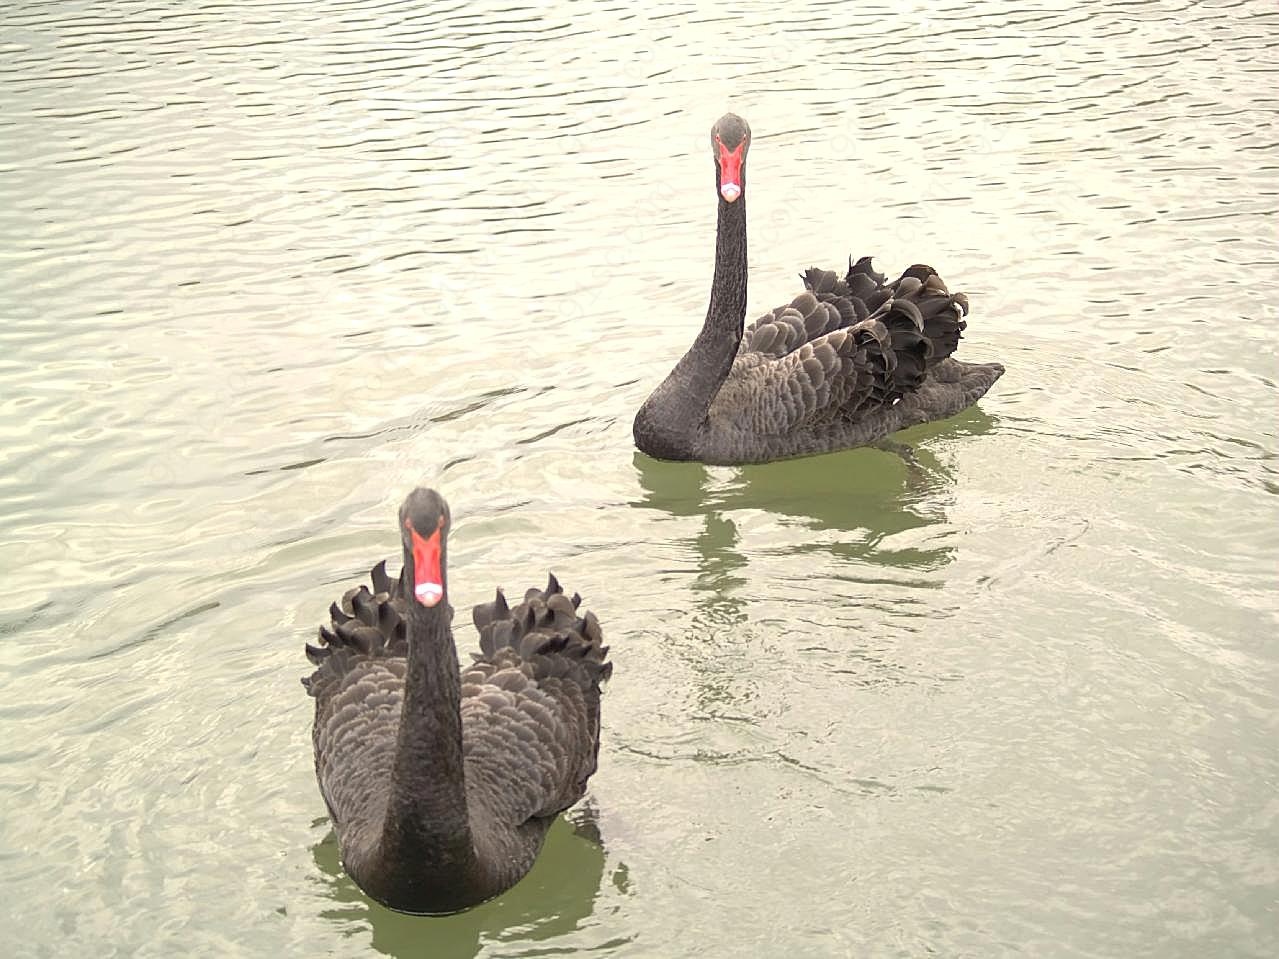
column 800, row 321
column 530, row 706
column 354, row 734
column 827, row 303
column 358, row 684
column 521, row 742
column 843, row 348
column 923, row 317
column 834, row 376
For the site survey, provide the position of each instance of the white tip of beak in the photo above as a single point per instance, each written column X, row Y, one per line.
column 428, row 594
column 730, row 191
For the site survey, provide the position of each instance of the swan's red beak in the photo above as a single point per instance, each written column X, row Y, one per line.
column 428, row 583
column 730, row 171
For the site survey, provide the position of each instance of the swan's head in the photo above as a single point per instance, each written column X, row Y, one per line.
column 424, row 527
column 730, row 141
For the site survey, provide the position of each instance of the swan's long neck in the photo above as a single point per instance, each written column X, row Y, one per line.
column 427, row 830
column 722, row 332
column 678, row 408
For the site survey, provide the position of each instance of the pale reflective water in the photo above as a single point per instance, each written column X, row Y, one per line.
column 267, row 266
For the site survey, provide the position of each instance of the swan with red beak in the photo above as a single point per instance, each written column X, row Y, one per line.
column 845, row 363
column 442, row 782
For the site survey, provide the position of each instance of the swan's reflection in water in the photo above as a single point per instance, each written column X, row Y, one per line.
column 872, row 494
column 555, row 899
column 798, row 564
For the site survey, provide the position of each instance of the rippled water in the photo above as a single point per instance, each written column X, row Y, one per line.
column 269, row 265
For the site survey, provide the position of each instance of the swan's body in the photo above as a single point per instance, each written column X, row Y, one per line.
column 847, row 362
column 441, row 784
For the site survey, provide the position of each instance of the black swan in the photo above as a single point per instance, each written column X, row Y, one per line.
column 843, row 364
column 441, row 784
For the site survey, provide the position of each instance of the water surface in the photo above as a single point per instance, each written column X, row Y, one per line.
column 269, row 265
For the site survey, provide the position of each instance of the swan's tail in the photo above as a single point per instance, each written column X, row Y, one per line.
column 366, row 623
